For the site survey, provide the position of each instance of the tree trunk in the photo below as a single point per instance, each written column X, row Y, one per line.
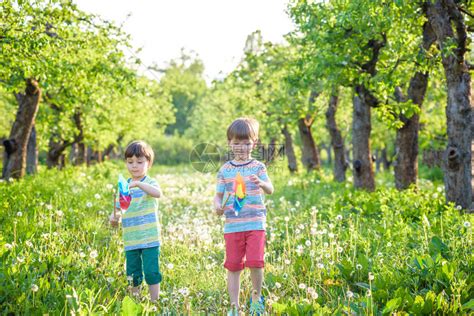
column 108, row 151
column 377, row 161
column 406, row 143
column 55, row 156
column 81, row 152
column 432, row 158
column 328, row 150
column 14, row 161
column 472, row 167
column 361, row 126
column 56, row 146
column 272, row 151
column 337, row 142
column 89, row 154
column 385, row 161
column 32, row 153
column 290, row 151
column 98, row 154
column 443, row 16
column 310, row 152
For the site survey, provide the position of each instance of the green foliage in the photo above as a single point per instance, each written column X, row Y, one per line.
column 183, row 81
column 59, row 255
column 79, row 62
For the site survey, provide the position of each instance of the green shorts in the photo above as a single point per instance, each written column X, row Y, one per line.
column 146, row 261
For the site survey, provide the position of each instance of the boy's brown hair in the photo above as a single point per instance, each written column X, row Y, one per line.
column 243, row 128
column 139, row 149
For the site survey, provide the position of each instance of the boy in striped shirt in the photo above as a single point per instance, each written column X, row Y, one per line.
column 244, row 229
column 140, row 221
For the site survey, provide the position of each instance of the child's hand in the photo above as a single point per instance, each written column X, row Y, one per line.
column 219, row 209
column 133, row 184
column 115, row 220
column 256, row 180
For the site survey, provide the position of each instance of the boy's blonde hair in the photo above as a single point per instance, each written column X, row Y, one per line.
column 243, row 128
column 139, row 149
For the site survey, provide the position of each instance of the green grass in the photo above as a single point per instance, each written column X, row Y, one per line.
column 324, row 239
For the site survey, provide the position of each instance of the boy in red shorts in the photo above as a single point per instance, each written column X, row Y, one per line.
column 245, row 179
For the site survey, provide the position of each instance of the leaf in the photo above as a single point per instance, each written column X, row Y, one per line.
column 392, row 305
column 437, row 246
column 469, row 305
column 130, row 308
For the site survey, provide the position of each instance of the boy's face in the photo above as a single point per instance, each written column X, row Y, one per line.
column 137, row 166
column 241, row 148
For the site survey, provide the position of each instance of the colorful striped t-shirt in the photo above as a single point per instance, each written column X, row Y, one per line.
column 140, row 221
column 253, row 214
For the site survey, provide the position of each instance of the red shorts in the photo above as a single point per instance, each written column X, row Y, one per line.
column 249, row 244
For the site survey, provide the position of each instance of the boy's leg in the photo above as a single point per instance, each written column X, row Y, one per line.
column 234, row 263
column 254, row 252
column 134, row 269
column 154, row 291
column 256, row 274
column 152, row 271
column 233, row 286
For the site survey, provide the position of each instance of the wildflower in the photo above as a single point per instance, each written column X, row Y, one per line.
column 170, row 266
column 311, row 291
column 19, row 214
column 339, row 217
column 8, row 246
column 34, row 288
column 350, row 294
column 93, row 254
column 302, row 286
column 287, row 219
column 89, row 204
column 299, row 250
column 467, row 224
column 358, row 266
column 371, row 276
column 97, row 196
column 277, row 285
column 184, row 291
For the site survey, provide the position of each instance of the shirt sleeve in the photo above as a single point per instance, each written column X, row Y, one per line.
column 154, row 183
column 220, row 186
column 262, row 173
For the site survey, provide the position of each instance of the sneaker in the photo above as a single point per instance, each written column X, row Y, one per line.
column 257, row 308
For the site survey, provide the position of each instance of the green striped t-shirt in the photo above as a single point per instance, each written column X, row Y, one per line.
column 140, row 221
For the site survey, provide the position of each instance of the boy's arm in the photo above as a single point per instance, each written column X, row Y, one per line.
column 264, row 181
column 149, row 189
column 267, row 186
column 218, row 203
column 115, row 217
